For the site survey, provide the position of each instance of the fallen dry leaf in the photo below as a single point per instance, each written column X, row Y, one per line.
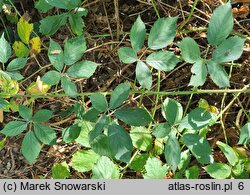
column 242, row 12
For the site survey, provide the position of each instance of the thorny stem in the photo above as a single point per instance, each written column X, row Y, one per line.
column 160, row 93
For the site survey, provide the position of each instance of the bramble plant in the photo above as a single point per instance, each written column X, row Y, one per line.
column 115, row 136
column 226, row 49
column 51, row 24
column 163, row 33
column 73, row 51
column 38, row 133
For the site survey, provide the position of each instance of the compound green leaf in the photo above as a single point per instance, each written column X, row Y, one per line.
column 155, row 169
column 25, row 112
column 229, row 50
column 119, row 95
column 42, row 115
column 120, row 143
column 65, row 4
column 76, row 23
column 185, row 160
column 77, row 108
column 172, row 152
column 68, row 86
column 98, row 127
column 51, row 24
column 71, row 133
column 172, row 111
column 45, row 134
column 161, row 130
column 196, row 119
column 14, row 128
column 218, row 74
column 84, row 160
column 192, row 172
column 99, row 102
column 83, row 69
column 134, row 116
column 91, row 115
column 5, row 50
column 245, row 134
column 190, row 50
column 199, row 147
column 15, row 75
column 143, row 75
column 127, row 55
column 83, row 138
column 55, row 54
column 218, row 170
column 51, row 77
column 220, row 25
column 138, row 163
column 199, row 76
column 43, row 6
column 100, row 145
column 162, row 60
column 141, row 138
column 31, row 147
column 228, row 152
column 138, row 34
column 105, row 169
column 17, row 64
column 60, row 170
column 74, row 49
column 162, row 33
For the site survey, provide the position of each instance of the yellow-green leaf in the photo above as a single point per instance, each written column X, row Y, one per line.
column 20, row 49
column 7, row 85
column 24, row 30
column 38, row 87
column 35, row 45
column 204, row 104
column 9, row 88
